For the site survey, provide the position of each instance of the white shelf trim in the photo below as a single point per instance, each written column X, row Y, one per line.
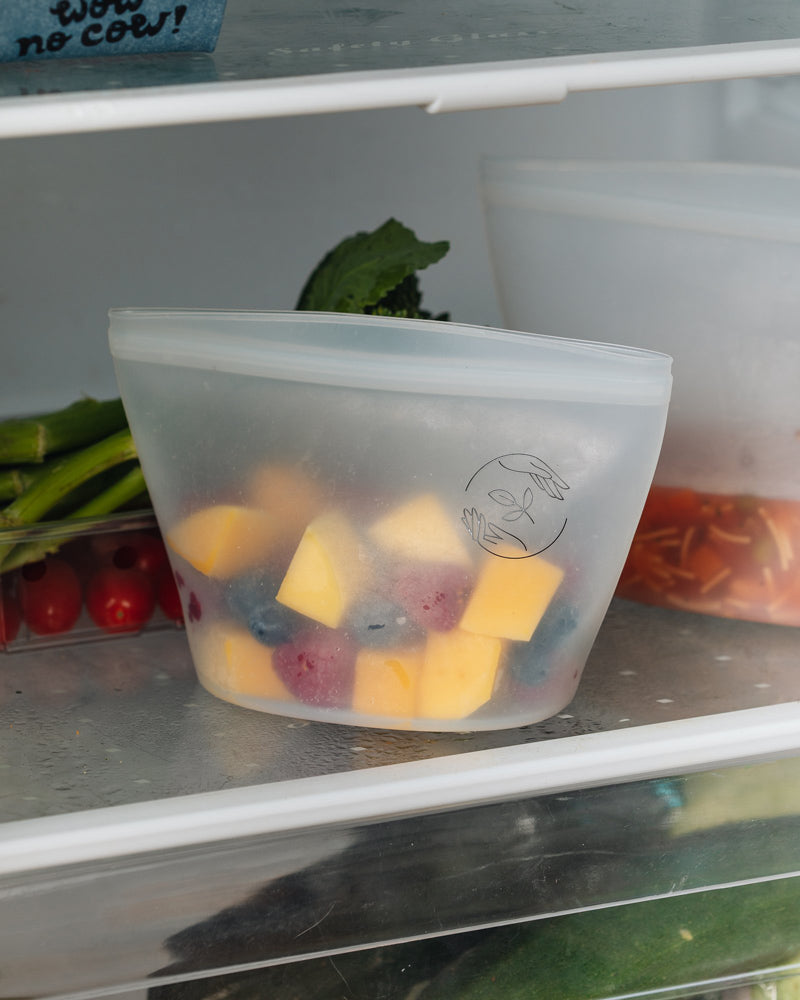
column 437, row 89
column 380, row 793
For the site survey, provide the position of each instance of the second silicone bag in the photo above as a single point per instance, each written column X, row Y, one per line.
column 699, row 260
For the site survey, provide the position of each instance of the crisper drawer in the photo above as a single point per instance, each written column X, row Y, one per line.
column 153, row 834
column 317, row 885
column 733, row 943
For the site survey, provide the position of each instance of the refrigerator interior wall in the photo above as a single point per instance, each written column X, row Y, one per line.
column 760, row 121
column 237, row 214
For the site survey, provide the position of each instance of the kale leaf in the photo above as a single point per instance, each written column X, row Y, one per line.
column 373, row 272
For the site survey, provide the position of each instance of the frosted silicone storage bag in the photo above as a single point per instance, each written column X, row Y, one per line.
column 699, row 260
column 386, row 522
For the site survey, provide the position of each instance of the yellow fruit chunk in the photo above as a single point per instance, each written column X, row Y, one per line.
column 229, row 658
column 458, row 674
column 510, row 597
column 225, row 540
column 326, row 572
column 289, row 494
column 386, row 681
column 421, row 530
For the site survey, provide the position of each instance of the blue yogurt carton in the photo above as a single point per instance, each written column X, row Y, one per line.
column 44, row 29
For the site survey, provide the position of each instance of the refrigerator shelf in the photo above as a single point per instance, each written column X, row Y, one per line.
column 309, row 59
column 159, row 813
column 124, row 722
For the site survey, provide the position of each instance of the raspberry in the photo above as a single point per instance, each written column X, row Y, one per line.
column 433, row 596
column 317, row 667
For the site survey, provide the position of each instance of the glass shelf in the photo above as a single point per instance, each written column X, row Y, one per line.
column 125, row 721
column 132, row 797
column 308, row 58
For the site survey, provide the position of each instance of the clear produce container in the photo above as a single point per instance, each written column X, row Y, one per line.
column 699, row 260
column 385, row 522
column 84, row 579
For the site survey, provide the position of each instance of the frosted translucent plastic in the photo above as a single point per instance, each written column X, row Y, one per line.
column 696, row 259
column 455, row 505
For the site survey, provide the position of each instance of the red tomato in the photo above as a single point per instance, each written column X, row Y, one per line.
column 141, row 551
column 9, row 618
column 105, row 544
column 50, row 596
column 168, row 597
column 120, row 600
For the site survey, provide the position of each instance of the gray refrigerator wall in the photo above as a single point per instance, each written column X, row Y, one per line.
column 237, row 214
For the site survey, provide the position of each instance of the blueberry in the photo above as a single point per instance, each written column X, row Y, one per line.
column 377, row 622
column 531, row 663
column 251, row 600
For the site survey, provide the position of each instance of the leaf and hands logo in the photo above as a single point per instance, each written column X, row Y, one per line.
column 516, row 506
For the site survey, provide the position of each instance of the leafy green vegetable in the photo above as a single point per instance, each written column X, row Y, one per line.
column 127, row 488
column 30, row 439
column 366, row 271
column 65, row 475
column 647, row 945
column 16, row 480
column 404, row 301
column 75, row 462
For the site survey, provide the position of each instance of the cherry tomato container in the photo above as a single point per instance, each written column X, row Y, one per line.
column 699, row 260
column 66, row 582
column 389, row 522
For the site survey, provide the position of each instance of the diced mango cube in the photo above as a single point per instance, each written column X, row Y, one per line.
column 386, row 681
column 289, row 495
column 327, row 571
column 421, row 531
column 231, row 659
column 458, row 674
column 224, row 540
column 510, row 596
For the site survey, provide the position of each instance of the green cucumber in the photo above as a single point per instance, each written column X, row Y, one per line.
column 622, row 949
column 617, row 950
